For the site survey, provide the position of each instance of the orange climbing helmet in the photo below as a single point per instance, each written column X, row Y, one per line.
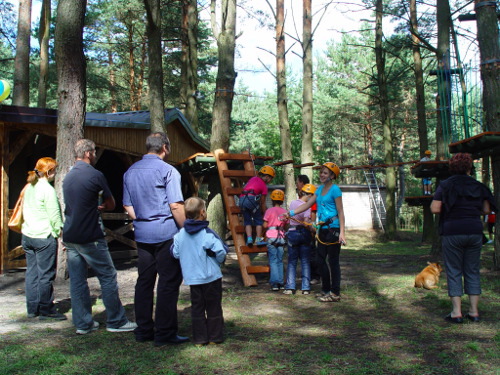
column 333, row 167
column 278, row 195
column 309, row 188
column 428, row 152
column 266, row 169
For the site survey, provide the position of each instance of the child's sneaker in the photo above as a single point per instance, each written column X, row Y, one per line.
column 275, row 288
column 259, row 241
column 288, row 291
column 249, row 241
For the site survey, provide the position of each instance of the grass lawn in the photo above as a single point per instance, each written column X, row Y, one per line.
column 382, row 326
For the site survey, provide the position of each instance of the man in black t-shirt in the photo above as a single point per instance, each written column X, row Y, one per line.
column 86, row 245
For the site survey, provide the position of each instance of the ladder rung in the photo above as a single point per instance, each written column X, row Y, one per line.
column 238, row 173
column 257, row 269
column 241, row 157
column 234, row 191
column 235, row 209
column 239, row 229
column 253, row 249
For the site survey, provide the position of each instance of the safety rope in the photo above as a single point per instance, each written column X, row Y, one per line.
column 320, row 224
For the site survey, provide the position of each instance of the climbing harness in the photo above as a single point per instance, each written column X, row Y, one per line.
column 318, row 229
column 280, row 238
column 252, row 198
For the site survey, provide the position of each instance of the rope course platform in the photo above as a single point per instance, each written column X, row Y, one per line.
column 480, row 145
column 432, row 168
column 419, row 201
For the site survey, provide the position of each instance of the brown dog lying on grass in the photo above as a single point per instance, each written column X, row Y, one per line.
column 429, row 277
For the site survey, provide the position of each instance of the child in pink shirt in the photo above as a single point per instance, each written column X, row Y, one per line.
column 253, row 203
column 275, row 225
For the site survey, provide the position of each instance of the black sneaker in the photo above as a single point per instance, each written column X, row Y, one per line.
column 54, row 316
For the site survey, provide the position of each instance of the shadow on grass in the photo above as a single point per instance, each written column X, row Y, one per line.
column 382, row 326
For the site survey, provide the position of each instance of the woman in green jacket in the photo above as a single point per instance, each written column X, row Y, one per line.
column 40, row 230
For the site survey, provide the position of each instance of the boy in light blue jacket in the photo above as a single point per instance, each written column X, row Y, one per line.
column 201, row 252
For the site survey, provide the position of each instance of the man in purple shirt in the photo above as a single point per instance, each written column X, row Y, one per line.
column 152, row 197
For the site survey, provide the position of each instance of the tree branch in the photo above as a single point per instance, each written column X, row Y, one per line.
column 265, row 67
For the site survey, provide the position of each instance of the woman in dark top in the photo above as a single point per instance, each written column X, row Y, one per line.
column 461, row 201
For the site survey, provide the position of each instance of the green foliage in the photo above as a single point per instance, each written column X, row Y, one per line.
column 7, row 41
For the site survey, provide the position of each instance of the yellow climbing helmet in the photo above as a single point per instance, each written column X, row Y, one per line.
column 428, row 152
column 309, row 188
column 333, row 167
column 266, row 169
column 278, row 195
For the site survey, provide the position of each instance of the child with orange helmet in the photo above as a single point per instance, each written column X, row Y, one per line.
column 253, row 203
column 275, row 225
column 299, row 242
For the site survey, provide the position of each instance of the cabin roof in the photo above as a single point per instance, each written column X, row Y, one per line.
column 122, row 120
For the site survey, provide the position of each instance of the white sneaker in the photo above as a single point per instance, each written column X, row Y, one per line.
column 95, row 327
column 127, row 327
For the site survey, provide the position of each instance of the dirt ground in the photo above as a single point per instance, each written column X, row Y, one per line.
column 13, row 299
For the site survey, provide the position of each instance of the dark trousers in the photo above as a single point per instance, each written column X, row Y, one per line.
column 329, row 263
column 41, row 256
column 315, row 268
column 155, row 259
column 462, row 259
column 206, row 312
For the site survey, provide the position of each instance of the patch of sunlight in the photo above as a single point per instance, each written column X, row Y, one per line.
column 271, row 310
column 315, row 331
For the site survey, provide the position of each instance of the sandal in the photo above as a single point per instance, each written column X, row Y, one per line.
column 329, row 298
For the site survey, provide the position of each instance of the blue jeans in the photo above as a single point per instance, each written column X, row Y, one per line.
column 299, row 246
column 462, row 258
column 275, row 253
column 96, row 255
column 40, row 274
column 251, row 210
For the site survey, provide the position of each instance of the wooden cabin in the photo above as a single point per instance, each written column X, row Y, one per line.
column 28, row 134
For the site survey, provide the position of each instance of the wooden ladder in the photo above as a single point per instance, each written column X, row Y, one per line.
column 232, row 181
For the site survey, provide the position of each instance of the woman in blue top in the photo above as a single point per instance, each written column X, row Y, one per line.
column 331, row 230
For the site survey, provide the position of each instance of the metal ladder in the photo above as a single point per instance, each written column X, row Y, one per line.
column 376, row 196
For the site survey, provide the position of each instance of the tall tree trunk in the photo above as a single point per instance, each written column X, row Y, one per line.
column 419, row 81
column 369, row 141
column 43, row 40
column 155, row 77
column 286, row 144
column 226, row 76
column 401, row 172
column 112, row 82
column 307, row 91
column 70, row 61
column 140, row 77
column 225, row 34
column 131, row 68
column 489, row 48
column 21, row 92
column 443, row 16
column 428, row 232
column 390, row 174
column 189, row 71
